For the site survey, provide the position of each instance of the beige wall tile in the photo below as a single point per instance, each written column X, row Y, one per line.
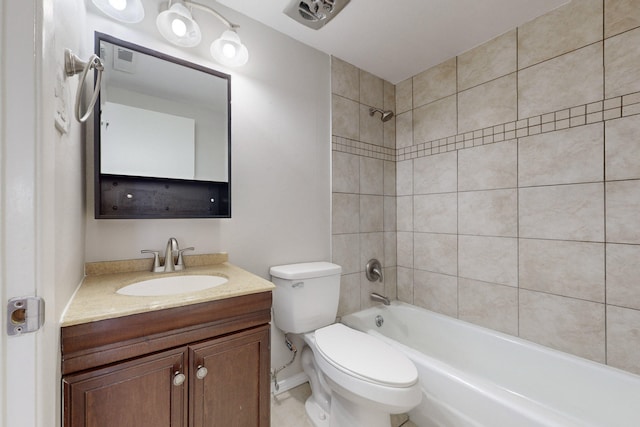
column 488, row 104
column 371, row 127
column 371, row 246
column 405, row 249
column 390, row 249
column 346, row 252
column 567, row 324
column 623, row 275
column 405, row 284
column 404, row 130
column 435, row 83
column 489, row 305
column 488, row 213
column 367, row 288
column 349, row 294
column 566, row 81
column 622, row 61
column 404, row 96
column 345, row 117
column 390, row 213
column 567, row 28
column 491, row 60
column 389, row 92
column 371, row 90
column 405, row 213
column 623, row 338
column 435, row 213
column 623, row 208
column 562, row 212
column 489, row 259
column 568, row 156
column 389, row 178
column 404, row 178
column 390, row 282
column 345, row 213
column 622, row 148
column 345, row 80
column 573, row 269
column 437, row 253
column 435, row 120
column 389, row 131
column 435, row 174
column 436, row 292
column 488, row 167
column 345, row 172
column 371, row 213
column 620, row 16
column 371, row 176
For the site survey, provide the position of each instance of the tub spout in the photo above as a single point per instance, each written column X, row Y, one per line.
column 377, row 297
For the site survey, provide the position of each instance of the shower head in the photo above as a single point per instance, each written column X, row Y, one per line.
column 386, row 115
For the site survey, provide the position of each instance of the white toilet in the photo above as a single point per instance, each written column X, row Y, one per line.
column 356, row 379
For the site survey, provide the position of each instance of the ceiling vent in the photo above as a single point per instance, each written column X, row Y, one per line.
column 315, row 13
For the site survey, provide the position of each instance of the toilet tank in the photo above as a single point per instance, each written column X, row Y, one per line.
column 306, row 295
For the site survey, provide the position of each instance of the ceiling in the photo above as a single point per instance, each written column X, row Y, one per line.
column 397, row 39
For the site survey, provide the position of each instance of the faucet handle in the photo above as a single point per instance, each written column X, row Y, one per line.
column 180, row 264
column 156, row 259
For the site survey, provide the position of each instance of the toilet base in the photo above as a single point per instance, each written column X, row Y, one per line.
column 317, row 415
column 346, row 413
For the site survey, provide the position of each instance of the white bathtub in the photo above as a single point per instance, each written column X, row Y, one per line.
column 473, row 376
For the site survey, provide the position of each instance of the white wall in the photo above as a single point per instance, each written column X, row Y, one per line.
column 43, row 207
column 280, row 159
column 281, row 153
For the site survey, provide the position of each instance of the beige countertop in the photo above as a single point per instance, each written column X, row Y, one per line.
column 96, row 298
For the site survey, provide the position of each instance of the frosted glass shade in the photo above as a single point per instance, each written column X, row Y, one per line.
column 131, row 13
column 229, row 50
column 178, row 26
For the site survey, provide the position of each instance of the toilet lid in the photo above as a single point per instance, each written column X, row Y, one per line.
column 361, row 354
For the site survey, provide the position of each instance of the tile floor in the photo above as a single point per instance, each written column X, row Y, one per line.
column 287, row 410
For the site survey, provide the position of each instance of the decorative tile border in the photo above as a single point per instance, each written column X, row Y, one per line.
column 363, row 149
column 594, row 112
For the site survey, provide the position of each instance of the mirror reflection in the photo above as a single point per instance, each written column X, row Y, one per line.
column 163, row 124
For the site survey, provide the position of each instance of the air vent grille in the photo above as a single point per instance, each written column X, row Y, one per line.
column 314, row 14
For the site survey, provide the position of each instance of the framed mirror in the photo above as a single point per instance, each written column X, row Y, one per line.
column 162, row 136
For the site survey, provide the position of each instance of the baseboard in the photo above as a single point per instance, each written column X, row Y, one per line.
column 289, row 383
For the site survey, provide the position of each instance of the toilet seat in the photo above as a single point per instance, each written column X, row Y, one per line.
column 363, row 356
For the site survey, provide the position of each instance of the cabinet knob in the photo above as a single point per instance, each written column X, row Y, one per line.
column 201, row 372
column 178, row 378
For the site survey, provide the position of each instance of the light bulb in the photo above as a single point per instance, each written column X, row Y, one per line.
column 178, row 27
column 229, row 50
column 118, row 4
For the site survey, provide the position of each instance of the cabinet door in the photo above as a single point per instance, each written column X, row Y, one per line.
column 145, row 392
column 235, row 390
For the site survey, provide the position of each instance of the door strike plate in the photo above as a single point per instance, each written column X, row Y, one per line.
column 24, row 314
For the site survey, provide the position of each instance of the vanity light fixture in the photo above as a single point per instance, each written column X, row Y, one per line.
column 177, row 25
column 127, row 11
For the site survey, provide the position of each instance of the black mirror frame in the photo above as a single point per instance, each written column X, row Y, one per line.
column 158, row 197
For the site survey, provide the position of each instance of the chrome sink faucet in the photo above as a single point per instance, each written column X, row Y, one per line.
column 171, row 249
column 172, row 246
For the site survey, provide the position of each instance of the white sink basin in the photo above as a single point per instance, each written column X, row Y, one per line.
column 172, row 285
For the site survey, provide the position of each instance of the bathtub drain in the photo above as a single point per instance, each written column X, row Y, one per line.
column 379, row 321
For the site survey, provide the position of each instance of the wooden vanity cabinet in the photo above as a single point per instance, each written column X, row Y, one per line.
column 167, row 368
